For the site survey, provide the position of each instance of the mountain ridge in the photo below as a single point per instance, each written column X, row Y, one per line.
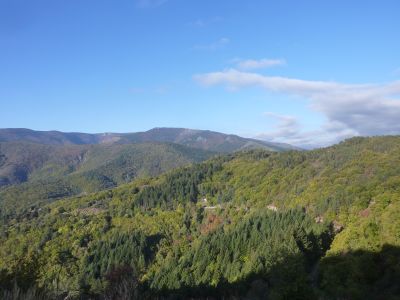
column 31, row 172
column 203, row 139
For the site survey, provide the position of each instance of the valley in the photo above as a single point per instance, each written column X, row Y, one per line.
column 295, row 224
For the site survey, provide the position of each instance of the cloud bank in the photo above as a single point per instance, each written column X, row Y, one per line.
column 350, row 109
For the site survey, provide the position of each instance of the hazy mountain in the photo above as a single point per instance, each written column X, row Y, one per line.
column 202, row 139
column 47, row 137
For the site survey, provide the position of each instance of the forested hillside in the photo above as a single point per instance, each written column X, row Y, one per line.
column 320, row 224
column 32, row 173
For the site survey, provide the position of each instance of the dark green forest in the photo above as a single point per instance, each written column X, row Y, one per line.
column 31, row 173
column 320, row 224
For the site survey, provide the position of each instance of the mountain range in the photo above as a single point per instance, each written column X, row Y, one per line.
column 202, row 139
column 40, row 166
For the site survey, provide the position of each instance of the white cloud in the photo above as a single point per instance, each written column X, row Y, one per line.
column 222, row 42
column 251, row 64
column 287, row 125
column 289, row 130
column 350, row 109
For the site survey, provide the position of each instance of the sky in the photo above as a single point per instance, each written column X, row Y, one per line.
column 306, row 72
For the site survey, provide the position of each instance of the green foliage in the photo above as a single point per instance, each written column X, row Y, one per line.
column 46, row 173
column 133, row 251
column 181, row 186
column 250, row 225
column 361, row 274
column 251, row 249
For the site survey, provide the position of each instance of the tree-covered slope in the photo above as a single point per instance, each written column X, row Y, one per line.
column 44, row 172
column 320, row 224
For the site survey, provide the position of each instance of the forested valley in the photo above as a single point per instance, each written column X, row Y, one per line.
column 254, row 224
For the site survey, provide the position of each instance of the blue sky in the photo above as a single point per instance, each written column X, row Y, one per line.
column 305, row 72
